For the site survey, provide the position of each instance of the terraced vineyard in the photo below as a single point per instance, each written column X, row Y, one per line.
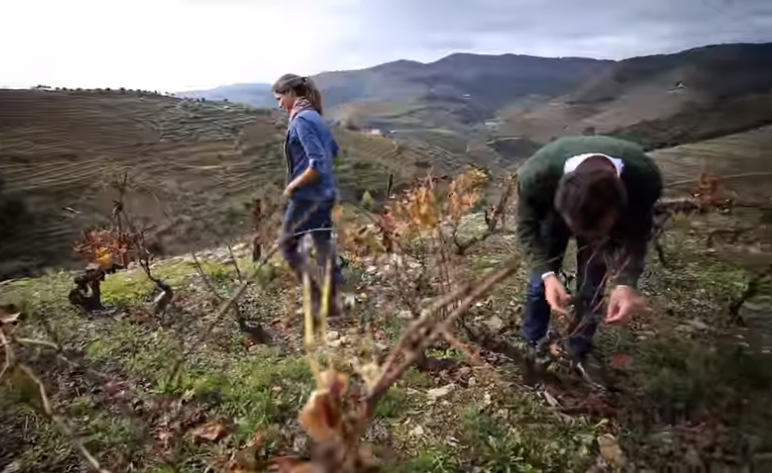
column 196, row 166
column 743, row 160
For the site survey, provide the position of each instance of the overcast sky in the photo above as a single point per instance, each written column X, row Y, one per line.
column 174, row 45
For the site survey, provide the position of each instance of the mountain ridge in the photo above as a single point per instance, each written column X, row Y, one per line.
column 542, row 97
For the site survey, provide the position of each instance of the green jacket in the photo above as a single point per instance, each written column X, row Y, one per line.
column 541, row 230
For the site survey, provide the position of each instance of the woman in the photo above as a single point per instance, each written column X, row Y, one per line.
column 310, row 149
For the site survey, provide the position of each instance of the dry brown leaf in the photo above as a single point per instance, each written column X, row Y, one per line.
column 611, row 451
column 212, row 431
column 334, row 381
column 293, row 465
column 165, row 436
column 8, row 318
column 370, row 373
column 621, row 361
column 246, row 459
column 321, row 416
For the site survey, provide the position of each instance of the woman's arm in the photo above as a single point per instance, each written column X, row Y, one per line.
column 307, row 177
column 314, row 152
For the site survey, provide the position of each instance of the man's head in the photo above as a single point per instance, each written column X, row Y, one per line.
column 591, row 201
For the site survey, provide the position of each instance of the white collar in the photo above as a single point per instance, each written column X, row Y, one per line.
column 573, row 162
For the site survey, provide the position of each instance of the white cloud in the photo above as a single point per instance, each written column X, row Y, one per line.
column 162, row 44
column 174, row 45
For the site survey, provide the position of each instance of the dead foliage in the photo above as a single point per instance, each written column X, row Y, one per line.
column 111, row 248
column 415, row 227
column 16, row 371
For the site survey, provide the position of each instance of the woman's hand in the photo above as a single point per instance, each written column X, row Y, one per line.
column 308, row 177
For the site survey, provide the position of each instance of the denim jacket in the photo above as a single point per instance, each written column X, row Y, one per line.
column 310, row 143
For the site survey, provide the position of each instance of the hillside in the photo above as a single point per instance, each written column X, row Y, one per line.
column 196, row 168
column 660, row 100
column 481, row 105
column 258, row 95
column 685, row 385
column 454, row 92
column 742, row 160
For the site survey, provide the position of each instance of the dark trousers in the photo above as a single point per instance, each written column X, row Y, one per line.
column 588, row 297
column 304, row 217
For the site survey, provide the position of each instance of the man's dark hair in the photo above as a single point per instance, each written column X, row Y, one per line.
column 586, row 197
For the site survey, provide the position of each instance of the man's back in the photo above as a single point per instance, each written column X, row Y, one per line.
column 541, row 229
column 542, row 171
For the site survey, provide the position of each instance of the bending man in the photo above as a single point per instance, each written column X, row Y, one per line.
column 601, row 191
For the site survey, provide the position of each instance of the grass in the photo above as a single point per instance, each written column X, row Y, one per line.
column 433, row 459
column 676, row 378
column 261, row 390
column 521, row 435
column 394, row 403
column 256, row 390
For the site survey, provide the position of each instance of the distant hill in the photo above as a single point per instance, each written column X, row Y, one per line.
column 467, row 87
column 258, row 95
column 464, row 101
column 456, row 91
column 662, row 100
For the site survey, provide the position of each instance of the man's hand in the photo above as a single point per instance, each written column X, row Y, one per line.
column 288, row 191
column 623, row 302
column 556, row 294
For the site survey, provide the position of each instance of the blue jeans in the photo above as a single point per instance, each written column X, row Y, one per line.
column 591, row 272
column 315, row 218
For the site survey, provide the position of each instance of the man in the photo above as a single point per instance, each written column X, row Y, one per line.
column 600, row 190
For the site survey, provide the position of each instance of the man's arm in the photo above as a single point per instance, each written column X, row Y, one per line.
column 638, row 234
column 634, row 249
column 529, row 217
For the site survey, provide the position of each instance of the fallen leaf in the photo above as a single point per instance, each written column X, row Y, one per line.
column 293, row 465
column 321, row 416
column 164, row 436
column 370, row 374
column 437, row 393
column 551, row 400
column 611, row 451
column 698, row 324
column 621, row 361
column 494, row 324
column 332, row 335
column 418, row 431
column 246, row 459
column 7, row 318
column 212, row 431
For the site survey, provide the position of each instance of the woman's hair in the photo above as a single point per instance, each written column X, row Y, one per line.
column 302, row 87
